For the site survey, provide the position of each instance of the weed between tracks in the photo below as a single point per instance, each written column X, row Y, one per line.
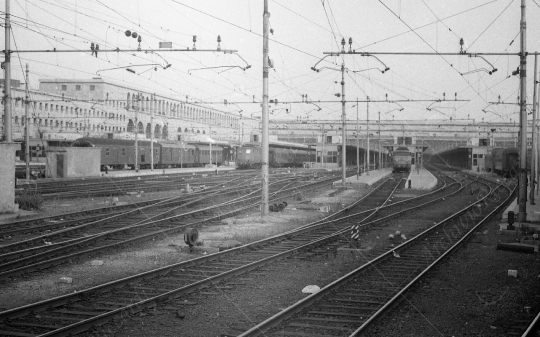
column 29, row 200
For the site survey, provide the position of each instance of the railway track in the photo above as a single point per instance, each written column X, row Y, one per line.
column 527, row 325
column 150, row 289
column 157, row 220
column 349, row 305
column 109, row 186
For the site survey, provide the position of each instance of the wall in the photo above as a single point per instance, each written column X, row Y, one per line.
column 78, row 162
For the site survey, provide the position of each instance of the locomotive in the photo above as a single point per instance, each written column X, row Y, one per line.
column 117, row 153
column 401, row 160
column 281, row 154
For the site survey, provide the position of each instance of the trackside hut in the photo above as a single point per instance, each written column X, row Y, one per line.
column 70, row 162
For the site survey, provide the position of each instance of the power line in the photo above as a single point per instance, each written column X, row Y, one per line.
column 504, row 10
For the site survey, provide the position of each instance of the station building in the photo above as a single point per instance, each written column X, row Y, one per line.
column 63, row 110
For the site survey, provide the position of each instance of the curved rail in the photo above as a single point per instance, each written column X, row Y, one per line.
column 362, row 310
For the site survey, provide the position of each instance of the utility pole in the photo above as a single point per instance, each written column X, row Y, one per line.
column 265, row 118
column 534, row 135
column 357, row 145
column 136, row 135
column 27, row 128
column 493, row 147
column 522, row 198
column 322, row 154
column 152, row 136
column 367, row 119
column 380, row 154
column 7, row 71
column 343, row 131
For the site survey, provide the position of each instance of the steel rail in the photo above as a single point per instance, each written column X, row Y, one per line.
column 21, row 266
column 17, row 312
column 110, row 217
column 280, row 317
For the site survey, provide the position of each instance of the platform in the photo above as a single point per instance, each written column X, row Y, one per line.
column 365, row 178
column 533, row 211
column 421, row 179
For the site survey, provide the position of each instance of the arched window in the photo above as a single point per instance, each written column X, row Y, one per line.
column 165, row 132
column 130, row 126
column 148, row 130
column 157, row 131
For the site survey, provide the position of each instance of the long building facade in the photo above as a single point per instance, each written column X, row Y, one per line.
column 67, row 109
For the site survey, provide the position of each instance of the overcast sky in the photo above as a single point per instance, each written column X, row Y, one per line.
column 302, row 31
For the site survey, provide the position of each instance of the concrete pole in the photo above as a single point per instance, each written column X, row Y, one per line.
column 522, row 198
column 136, row 136
column 493, row 146
column 151, row 138
column 380, row 154
column 7, row 77
column 534, row 135
column 343, row 131
column 265, row 156
column 323, row 141
column 357, row 145
column 367, row 119
column 27, row 128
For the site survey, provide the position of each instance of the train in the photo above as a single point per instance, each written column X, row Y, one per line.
column 401, row 160
column 119, row 153
column 281, row 154
column 505, row 161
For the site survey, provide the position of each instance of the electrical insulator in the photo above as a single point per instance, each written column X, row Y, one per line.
column 134, row 35
column 128, row 33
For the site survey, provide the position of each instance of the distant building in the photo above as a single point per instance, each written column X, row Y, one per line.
column 68, row 109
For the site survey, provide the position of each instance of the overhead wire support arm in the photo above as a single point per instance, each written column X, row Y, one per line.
column 386, row 68
column 247, row 64
column 493, row 69
column 351, row 52
column 229, row 68
column 314, row 68
column 135, row 65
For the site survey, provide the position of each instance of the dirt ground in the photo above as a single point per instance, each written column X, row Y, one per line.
column 151, row 255
column 471, row 294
